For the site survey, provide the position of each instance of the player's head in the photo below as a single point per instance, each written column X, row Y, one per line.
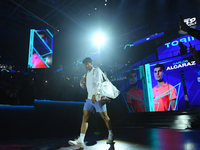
column 133, row 76
column 159, row 71
column 88, row 63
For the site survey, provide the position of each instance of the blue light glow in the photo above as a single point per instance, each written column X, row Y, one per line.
column 130, row 45
column 51, row 101
column 149, row 38
column 149, row 87
column 59, row 69
column 5, row 70
column 15, row 106
column 95, row 57
column 49, row 33
column 145, row 39
column 195, row 96
column 31, row 48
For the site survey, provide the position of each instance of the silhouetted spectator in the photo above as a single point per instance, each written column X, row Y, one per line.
column 193, row 32
column 183, row 48
column 27, row 95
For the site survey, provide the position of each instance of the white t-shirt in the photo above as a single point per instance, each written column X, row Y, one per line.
column 93, row 80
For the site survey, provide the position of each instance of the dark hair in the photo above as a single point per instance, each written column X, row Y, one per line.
column 87, row 60
column 161, row 66
column 131, row 72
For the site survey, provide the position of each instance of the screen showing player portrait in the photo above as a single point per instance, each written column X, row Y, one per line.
column 167, row 85
column 173, row 82
column 40, row 49
column 130, row 86
column 134, row 96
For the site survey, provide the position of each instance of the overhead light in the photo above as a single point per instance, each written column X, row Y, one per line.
column 99, row 39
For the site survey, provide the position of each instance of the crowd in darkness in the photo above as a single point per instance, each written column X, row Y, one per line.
column 22, row 87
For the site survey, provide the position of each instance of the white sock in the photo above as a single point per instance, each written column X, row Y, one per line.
column 110, row 132
column 82, row 136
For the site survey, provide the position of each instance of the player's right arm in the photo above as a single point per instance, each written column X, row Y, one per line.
column 129, row 105
column 130, row 108
column 83, row 83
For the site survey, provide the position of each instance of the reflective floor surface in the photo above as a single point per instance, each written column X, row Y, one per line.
column 125, row 139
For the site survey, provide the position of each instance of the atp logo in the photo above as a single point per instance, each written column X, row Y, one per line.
column 190, row 21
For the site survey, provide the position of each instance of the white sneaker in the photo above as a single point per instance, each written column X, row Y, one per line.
column 77, row 143
column 110, row 139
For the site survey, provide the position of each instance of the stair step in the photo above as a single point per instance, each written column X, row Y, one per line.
column 173, row 119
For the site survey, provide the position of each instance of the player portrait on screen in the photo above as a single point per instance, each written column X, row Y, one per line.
column 37, row 61
column 164, row 94
column 134, row 96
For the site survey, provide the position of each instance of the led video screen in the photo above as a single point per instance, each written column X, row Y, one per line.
column 167, row 85
column 174, row 83
column 40, row 49
column 131, row 89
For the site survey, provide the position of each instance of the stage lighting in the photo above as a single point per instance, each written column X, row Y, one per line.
column 99, row 39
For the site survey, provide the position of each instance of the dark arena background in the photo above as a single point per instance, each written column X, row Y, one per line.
column 43, row 44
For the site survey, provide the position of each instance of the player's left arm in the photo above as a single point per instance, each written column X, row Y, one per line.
column 173, row 98
column 83, row 83
column 173, row 102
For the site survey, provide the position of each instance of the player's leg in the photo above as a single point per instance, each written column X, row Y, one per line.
column 84, row 124
column 106, row 118
column 87, row 110
column 101, row 108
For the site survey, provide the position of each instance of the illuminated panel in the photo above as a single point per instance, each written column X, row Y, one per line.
column 149, row 87
column 145, row 40
column 149, row 38
column 173, row 79
column 30, row 48
column 171, row 48
column 40, row 49
column 142, row 77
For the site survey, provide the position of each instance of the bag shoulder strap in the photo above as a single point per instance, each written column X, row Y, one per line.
column 104, row 76
column 86, row 73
